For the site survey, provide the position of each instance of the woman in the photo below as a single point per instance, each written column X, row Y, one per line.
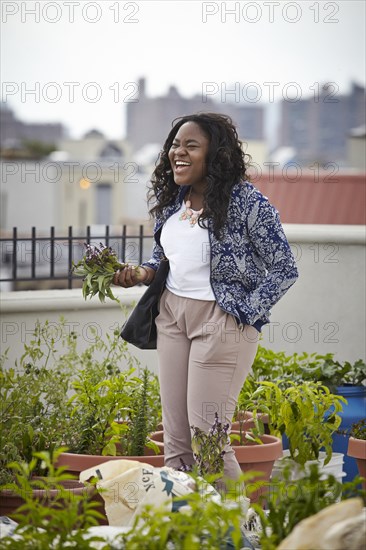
column 230, row 262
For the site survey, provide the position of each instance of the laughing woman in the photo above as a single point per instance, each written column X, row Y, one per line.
column 230, row 262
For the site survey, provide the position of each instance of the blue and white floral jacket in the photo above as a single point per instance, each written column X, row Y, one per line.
column 252, row 266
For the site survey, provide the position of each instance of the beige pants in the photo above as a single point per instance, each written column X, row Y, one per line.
column 203, row 361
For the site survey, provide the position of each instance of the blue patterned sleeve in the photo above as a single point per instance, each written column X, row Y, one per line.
column 156, row 257
column 157, row 252
column 270, row 244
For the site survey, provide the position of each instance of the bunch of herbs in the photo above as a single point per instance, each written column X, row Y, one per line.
column 98, row 267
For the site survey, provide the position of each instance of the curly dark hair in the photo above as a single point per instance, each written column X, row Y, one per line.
column 225, row 165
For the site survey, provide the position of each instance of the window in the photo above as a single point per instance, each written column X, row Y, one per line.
column 104, row 204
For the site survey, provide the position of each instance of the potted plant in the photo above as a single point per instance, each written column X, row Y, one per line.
column 115, row 412
column 72, row 523
column 110, row 410
column 243, row 421
column 307, row 413
column 34, row 416
column 253, row 452
column 357, row 447
column 54, row 511
column 57, row 396
column 342, row 378
column 276, row 365
column 348, row 380
column 256, row 454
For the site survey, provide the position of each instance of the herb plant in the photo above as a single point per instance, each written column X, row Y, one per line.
column 57, row 395
column 307, row 413
column 144, row 416
column 98, row 266
column 114, row 409
column 56, row 522
column 358, row 430
column 34, row 415
column 208, row 448
column 276, row 366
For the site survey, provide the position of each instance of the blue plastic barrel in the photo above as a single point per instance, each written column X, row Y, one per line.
column 353, row 412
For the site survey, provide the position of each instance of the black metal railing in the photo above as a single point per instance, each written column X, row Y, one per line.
column 50, row 258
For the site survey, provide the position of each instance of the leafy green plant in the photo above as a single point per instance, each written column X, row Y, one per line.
column 34, row 415
column 99, row 398
column 290, row 501
column 40, row 394
column 98, row 267
column 275, row 366
column 59, row 519
column 358, row 430
column 144, row 416
column 115, row 411
column 112, row 407
column 307, row 413
column 332, row 373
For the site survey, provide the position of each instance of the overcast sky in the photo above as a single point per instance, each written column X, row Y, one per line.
column 196, row 46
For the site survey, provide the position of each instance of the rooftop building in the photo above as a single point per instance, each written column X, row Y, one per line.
column 13, row 132
column 318, row 127
column 149, row 119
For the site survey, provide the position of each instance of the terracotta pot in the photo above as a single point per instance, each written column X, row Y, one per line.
column 247, row 418
column 244, row 418
column 158, row 438
column 357, row 449
column 10, row 502
column 253, row 456
column 76, row 463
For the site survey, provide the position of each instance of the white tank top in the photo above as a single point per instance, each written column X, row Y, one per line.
column 188, row 251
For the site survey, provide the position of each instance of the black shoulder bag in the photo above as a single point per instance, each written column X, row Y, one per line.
column 140, row 329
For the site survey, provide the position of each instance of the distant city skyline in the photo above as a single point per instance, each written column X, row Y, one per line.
column 269, row 124
column 97, row 52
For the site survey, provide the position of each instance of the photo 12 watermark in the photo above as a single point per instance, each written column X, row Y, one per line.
column 292, row 172
column 270, row 12
column 71, row 92
column 90, row 331
column 269, row 92
column 69, row 172
column 291, row 332
column 119, row 12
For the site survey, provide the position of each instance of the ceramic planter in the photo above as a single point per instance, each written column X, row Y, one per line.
column 357, row 450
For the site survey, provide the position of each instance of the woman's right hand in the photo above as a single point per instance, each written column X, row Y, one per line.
column 131, row 276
